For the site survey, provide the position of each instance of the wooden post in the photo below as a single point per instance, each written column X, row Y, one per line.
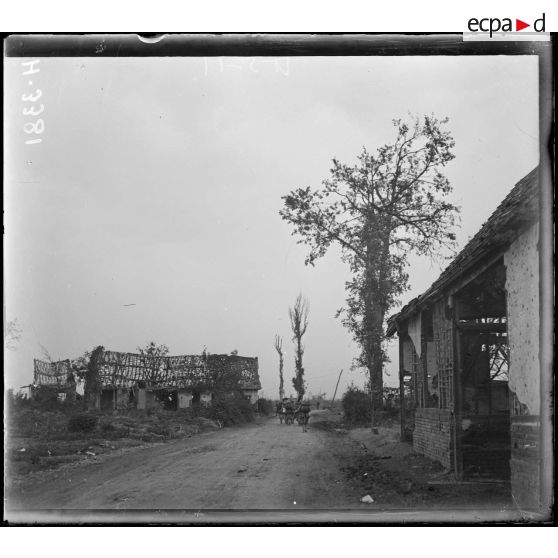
column 401, row 385
column 114, row 393
column 424, row 366
column 336, row 386
column 373, row 429
column 457, row 412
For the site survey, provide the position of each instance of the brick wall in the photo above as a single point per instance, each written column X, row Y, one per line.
column 432, row 435
column 525, row 461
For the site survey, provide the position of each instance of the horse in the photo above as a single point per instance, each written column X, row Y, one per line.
column 286, row 414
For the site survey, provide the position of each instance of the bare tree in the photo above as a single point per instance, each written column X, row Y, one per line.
column 279, row 349
column 299, row 322
column 45, row 353
column 12, row 335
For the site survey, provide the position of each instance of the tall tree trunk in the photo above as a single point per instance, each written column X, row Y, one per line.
column 279, row 349
column 299, row 369
column 375, row 361
column 376, row 379
column 375, row 305
column 281, row 382
column 299, row 322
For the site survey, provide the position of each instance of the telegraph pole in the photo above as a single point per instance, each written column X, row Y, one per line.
column 336, row 386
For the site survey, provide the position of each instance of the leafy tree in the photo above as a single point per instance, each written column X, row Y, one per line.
column 93, row 384
column 153, row 359
column 279, row 349
column 79, row 364
column 388, row 205
column 299, row 322
column 154, row 350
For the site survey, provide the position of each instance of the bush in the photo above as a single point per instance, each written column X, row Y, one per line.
column 356, row 406
column 265, row 406
column 44, row 399
column 228, row 409
column 34, row 422
column 82, row 423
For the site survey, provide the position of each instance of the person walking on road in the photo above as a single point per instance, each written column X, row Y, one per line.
column 304, row 414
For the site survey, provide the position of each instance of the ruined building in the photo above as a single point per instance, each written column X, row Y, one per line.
column 121, row 380
column 56, row 376
column 470, row 376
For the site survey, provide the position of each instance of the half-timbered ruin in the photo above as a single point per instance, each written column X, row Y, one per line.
column 119, row 380
column 469, row 353
column 55, row 376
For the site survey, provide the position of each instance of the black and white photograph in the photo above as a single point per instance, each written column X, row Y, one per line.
column 267, row 278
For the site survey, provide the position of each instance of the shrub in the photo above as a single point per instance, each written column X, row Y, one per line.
column 356, row 406
column 265, row 406
column 45, row 399
column 33, row 422
column 82, row 423
column 228, row 409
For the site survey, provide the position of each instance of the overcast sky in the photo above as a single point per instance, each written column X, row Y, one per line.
column 150, row 209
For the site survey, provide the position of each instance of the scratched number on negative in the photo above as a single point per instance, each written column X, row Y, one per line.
column 36, row 127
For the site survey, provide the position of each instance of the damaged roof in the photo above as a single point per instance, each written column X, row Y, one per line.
column 118, row 369
column 518, row 210
column 53, row 374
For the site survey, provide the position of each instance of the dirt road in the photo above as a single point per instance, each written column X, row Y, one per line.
column 258, row 466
